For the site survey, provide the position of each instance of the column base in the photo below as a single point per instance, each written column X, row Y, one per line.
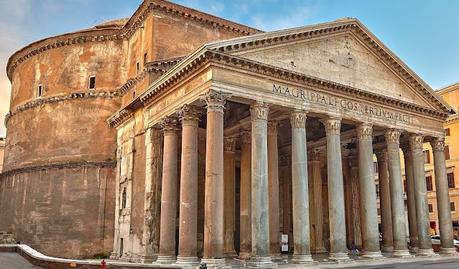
column 448, row 251
column 182, row 260
column 414, row 250
column 426, row 252
column 339, row 257
column 230, row 254
column 401, row 253
column 387, row 249
column 114, row 256
column 320, row 250
column 244, row 255
column 213, row 262
column 372, row 255
column 165, row 259
column 261, row 262
column 302, row 259
column 276, row 256
column 147, row 259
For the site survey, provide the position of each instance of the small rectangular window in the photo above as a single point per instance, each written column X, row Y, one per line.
column 447, row 157
column 92, row 82
column 145, row 58
column 427, row 156
column 447, row 132
column 451, row 183
column 430, row 208
column 429, row 183
column 133, row 94
column 39, row 90
column 138, row 67
column 452, row 205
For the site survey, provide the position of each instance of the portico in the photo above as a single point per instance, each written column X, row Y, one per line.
column 274, row 114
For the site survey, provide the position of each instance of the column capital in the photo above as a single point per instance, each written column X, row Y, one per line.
column 416, row 141
column 406, row 148
column 189, row 114
column 246, row 137
column 298, row 119
column 332, row 126
column 365, row 131
column 230, row 144
column 259, row 111
column 215, row 100
column 169, row 125
column 284, row 159
column 381, row 154
column 272, row 127
column 393, row 136
column 315, row 155
column 438, row 144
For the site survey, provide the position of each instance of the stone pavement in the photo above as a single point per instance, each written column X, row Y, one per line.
column 14, row 261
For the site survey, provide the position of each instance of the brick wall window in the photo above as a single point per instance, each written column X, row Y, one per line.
column 430, row 208
column 426, row 156
column 145, row 58
column 452, row 205
column 447, row 132
column 450, row 177
column 123, row 199
column 92, row 82
column 138, row 67
column 39, row 90
column 429, row 183
column 447, row 157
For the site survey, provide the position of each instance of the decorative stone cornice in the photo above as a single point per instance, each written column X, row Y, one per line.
column 116, row 119
column 230, row 144
column 190, row 114
column 60, row 98
column 259, row 111
column 416, row 141
column 332, row 126
column 365, row 131
column 438, row 144
column 393, row 136
column 59, row 165
column 298, row 119
column 215, row 100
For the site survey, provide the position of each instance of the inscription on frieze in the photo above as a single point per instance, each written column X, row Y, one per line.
column 342, row 104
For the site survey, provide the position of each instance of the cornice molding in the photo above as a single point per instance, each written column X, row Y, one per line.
column 60, row 98
column 60, row 165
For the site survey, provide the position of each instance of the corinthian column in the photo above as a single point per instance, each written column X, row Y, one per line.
column 317, row 196
column 411, row 202
column 384, row 202
column 245, row 228
column 260, row 200
column 396, row 190
column 300, row 193
column 188, row 187
column 229, row 178
column 213, row 201
column 443, row 203
column 338, row 250
column 168, row 193
column 273, row 180
column 368, row 192
column 420, row 195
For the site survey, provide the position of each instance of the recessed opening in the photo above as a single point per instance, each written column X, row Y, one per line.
column 138, row 67
column 145, row 58
column 92, row 82
column 39, row 90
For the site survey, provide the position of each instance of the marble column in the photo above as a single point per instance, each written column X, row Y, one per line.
column 318, row 208
column 214, row 185
column 411, row 202
column 338, row 250
column 168, row 192
column 230, row 181
column 259, row 183
column 245, row 226
column 384, row 202
column 187, row 252
column 273, row 181
column 443, row 203
column 355, row 200
column 300, row 192
column 396, row 190
column 368, row 210
column 420, row 195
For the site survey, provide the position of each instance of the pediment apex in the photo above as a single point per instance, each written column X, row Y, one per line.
column 349, row 25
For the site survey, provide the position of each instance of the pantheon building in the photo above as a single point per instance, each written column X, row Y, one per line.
column 178, row 137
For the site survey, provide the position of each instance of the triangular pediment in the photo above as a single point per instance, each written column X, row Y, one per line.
column 344, row 52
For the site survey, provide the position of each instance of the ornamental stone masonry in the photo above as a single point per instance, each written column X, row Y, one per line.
column 177, row 137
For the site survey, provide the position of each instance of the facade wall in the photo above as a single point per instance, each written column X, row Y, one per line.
column 2, row 151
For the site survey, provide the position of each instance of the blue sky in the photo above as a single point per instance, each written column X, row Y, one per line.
column 424, row 34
